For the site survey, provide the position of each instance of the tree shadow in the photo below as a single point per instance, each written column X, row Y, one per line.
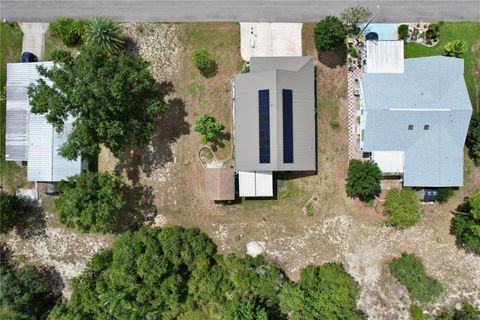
column 139, row 208
column 32, row 223
column 54, row 280
column 218, row 141
column 334, row 58
column 6, row 257
column 210, row 72
column 168, row 129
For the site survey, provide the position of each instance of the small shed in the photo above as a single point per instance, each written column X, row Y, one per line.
column 219, row 184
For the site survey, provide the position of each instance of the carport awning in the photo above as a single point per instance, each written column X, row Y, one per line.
column 255, row 183
column 385, row 56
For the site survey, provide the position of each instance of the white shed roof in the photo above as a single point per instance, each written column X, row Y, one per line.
column 385, row 56
column 389, row 162
column 255, row 183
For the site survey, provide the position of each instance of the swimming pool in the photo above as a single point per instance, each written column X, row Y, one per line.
column 385, row 31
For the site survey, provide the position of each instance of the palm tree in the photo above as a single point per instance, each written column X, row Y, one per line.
column 104, row 33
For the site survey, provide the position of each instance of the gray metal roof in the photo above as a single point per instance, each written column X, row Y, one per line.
column 275, row 74
column 29, row 136
column 431, row 92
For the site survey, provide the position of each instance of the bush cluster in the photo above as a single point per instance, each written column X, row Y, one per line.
column 203, row 61
column 402, row 31
column 466, row 225
column 410, row 272
column 363, row 179
column 68, row 30
column 403, row 208
column 329, row 33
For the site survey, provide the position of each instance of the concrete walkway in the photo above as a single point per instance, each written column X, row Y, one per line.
column 270, row 39
column 34, row 38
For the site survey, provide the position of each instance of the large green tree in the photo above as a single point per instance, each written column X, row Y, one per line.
column 325, row 292
column 24, row 294
column 403, row 208
column 473, row 137
column 11, row 209
column 114, row 99
column 90, row 202
column 169, row 274
column 329, row 33
column 466, row 225
column 363, row 179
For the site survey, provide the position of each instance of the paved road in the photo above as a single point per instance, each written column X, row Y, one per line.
column 234, row 10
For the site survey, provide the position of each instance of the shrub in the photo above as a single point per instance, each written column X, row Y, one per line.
column 203, row 61
column 403, row 208
column 468, row 312
column 68, row 30
column 325, row 292
column 61, row 56
column 454, row 48
column 208, row 127
column 105, row 34
column 444, row 194
column 353, row 52
column 354, row 16
column 363, row 179
column 410, row 272
column 11, row 209
column 473, row 138
column 330, row 33
column 402, row 31
column 433, row 31
column 90, row 202
column 466, row 225
column 416, row 312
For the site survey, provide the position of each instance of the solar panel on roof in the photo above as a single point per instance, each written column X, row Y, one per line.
column 287, row 126
column 264, row 125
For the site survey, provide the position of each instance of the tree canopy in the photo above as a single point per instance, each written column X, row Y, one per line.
column 114, row 99
column 325, row 292
column 24, row 294
column 473, row 137
column 403, row 208
column 176, row 273
column 363, row 179
column 352, row 17
column 410, row 272
column 466, row 225
column 11, row 209
column 90, row 202
column 208, row 127
column 329, row 33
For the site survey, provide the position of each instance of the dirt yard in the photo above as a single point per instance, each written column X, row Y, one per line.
column 169, row 180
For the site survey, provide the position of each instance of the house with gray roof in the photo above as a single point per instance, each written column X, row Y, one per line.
column 274, row 121
column 414, row 123
column 29, row 137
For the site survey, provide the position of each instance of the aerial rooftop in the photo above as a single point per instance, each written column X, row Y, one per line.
column 424, row 112
column 274, row 115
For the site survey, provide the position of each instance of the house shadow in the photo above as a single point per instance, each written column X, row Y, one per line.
column 169, row 127
column 334, row 58
column 139, row 208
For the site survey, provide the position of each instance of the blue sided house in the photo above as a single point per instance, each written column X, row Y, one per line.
column 414, row 122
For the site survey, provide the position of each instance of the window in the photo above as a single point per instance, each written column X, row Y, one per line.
column 410, row 127
column 426, row 127
column 264, row 125
column 287, row 126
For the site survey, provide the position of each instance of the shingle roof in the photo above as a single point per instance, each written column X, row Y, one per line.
column 38, row 140
column 430, row 92
column 275, row 74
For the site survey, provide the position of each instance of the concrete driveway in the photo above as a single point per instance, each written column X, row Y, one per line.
column 34, row 38
column 270, row 39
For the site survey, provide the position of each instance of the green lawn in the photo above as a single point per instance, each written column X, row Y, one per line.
column 11, row 50
column 466, row 31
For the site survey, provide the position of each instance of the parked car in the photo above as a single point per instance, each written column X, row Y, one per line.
column 29, row 57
